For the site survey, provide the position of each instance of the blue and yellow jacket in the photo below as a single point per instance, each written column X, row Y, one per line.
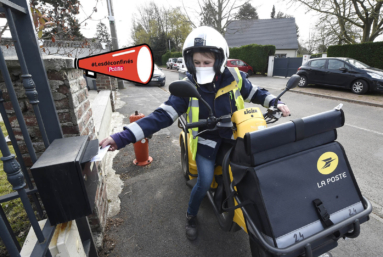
column 168, row 112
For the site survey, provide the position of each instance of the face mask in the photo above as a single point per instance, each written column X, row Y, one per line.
column 204, row 74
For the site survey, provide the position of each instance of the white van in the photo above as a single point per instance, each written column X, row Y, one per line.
column 181, row 63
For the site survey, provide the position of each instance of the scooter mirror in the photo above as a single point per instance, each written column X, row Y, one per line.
column 293, row 81
column 183, row 88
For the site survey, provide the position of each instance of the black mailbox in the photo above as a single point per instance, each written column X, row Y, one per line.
column 66, row 179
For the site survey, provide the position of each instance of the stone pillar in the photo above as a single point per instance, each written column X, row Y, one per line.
column 305, row 58
column 270, row 69
column 104, row 82
column 70, row 95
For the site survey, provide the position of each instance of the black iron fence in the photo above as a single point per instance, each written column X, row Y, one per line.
column 32, row 67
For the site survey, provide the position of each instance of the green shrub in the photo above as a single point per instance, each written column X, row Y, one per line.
column 168, row 55
column 316, row 56
column 368, row 53
column 14, row 209
column 257, row 56
column 176, row 54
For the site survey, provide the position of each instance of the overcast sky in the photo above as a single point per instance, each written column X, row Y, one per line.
column 124, row 11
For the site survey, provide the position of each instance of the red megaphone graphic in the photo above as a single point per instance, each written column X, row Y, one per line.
column 131, row 63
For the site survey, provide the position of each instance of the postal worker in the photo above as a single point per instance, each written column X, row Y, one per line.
column 225, row 89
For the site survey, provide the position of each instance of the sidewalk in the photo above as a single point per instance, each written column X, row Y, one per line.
column 371, row 99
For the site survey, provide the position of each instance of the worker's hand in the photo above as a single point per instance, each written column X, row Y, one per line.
column 284, row 109
column 108, row 141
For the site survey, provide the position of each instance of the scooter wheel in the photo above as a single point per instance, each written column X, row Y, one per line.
column 184, row 161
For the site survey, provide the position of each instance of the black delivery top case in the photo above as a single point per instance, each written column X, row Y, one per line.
column 298, row 183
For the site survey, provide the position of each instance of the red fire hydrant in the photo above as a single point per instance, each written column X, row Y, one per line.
column 141, row 148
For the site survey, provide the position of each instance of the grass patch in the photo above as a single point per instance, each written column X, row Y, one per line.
column 14, row 209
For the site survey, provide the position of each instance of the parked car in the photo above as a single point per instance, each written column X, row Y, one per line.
column 170, row 62
column 180, row 63
column 341, row 72
column 242, row 66
column 175, row 66
column 158, row 77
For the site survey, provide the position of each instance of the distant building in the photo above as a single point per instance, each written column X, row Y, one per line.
column 279, row 32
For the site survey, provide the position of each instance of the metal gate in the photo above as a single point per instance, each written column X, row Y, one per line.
column 285, row 67
column 23, row 35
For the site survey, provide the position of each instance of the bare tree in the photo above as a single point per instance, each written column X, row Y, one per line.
column 217, row 13
column 351, row 21
column 311, row 43
column 48, row 17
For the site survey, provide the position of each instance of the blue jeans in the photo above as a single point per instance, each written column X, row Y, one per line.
column 205, row 168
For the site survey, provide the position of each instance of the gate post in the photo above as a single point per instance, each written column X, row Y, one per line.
column 30, row 49
column 305, row 58
column 270, row 68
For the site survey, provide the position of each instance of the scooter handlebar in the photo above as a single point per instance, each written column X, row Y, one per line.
column 196, row 124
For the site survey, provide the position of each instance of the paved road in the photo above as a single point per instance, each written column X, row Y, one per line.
column 154, row 198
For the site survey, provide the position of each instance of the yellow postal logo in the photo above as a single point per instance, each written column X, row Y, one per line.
column 327, row 163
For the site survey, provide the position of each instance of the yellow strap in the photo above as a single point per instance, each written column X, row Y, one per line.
column 226, row 89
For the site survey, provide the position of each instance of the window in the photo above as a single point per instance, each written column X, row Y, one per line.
column 241, row 63
column 357, row 64
column 175, row 60
column 318, row 64
column 233, row 62
column 280, row 55
column 335, row 64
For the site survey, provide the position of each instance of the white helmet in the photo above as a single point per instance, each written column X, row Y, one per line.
column 206, row 39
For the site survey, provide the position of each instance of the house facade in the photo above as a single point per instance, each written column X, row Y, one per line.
column 279, row 32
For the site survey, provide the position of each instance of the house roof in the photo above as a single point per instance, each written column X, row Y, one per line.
column 279, row 32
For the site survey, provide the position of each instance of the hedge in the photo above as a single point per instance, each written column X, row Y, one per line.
column 316, row 56
column 368, row 53
column 168, row 55
column 257, row 56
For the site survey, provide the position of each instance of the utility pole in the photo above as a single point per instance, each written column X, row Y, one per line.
column 114, row 35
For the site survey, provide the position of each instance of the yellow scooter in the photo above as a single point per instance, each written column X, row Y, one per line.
column 221, row 193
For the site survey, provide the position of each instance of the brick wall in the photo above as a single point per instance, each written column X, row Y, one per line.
column 70, row 95
column 97, row 220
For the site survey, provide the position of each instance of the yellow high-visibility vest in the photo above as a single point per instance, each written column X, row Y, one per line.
column 192, row 113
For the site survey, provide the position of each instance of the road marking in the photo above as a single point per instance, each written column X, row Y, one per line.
column 369, row 130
